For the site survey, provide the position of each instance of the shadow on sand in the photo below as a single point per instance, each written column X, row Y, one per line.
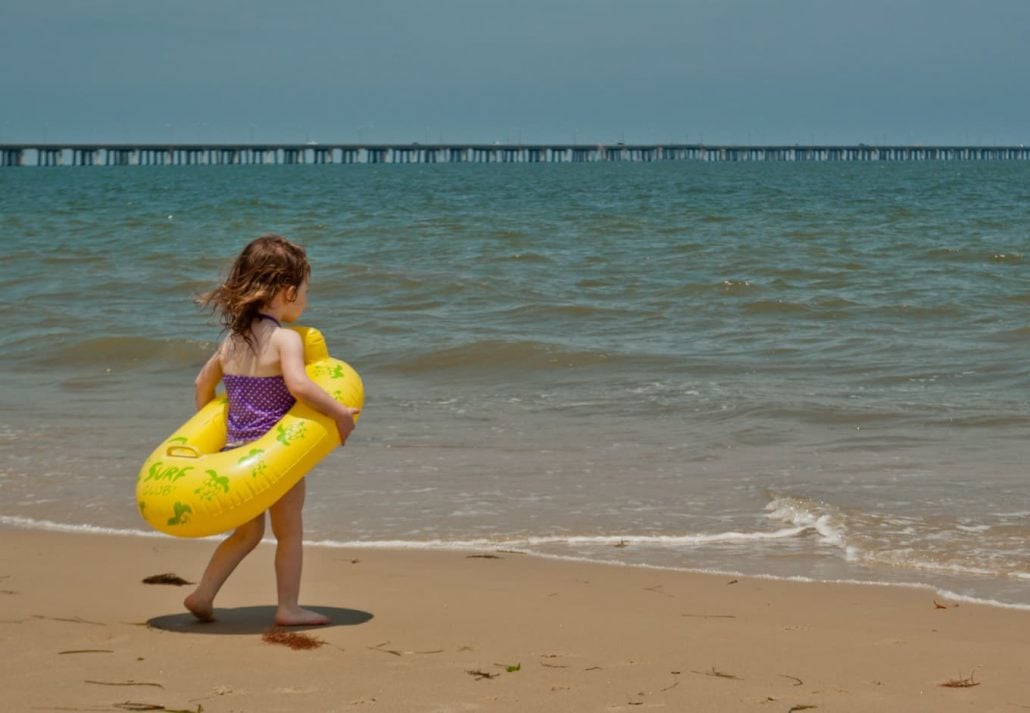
column 252, row 620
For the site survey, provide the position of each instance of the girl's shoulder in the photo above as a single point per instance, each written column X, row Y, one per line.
column 288, row 345
column 284, row 333
column 227, row 350
column 222, row 347
column 285, row 338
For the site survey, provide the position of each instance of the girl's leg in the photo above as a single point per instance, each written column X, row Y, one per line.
column 229, row 553
column 288, row 526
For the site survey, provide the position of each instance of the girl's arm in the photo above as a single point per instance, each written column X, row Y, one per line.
column 291, row 357
column 208, row 378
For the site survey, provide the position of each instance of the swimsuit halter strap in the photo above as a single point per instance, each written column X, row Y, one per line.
column 262, row 315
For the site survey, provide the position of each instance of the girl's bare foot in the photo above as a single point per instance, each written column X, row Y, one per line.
column 298, row 616
column 203, row 610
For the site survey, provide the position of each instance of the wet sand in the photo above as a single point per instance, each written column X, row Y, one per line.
column 492, row 631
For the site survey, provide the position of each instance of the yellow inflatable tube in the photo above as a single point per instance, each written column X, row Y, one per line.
column 188, row 487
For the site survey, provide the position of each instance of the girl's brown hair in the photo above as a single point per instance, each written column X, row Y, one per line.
column 268, row 264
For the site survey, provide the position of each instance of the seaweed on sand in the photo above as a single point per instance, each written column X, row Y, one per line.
column 166, row 578
column 961, row 682
column 293, row 639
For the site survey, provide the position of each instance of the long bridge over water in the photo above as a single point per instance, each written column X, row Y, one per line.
column 125, row 154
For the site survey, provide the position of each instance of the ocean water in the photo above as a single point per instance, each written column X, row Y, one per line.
column 796, row 370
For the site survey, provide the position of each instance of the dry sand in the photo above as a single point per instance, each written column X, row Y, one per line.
column 446, row 631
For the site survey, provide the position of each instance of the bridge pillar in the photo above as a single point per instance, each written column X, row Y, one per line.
column 84, row 157
column 12, row 157
column 126, row 157
column 50, row 157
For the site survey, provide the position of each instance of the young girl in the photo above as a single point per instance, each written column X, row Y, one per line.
column 262, row 366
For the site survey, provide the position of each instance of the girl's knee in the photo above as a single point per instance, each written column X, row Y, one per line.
column 287, row 515
column 250, row 534
column 287, row 526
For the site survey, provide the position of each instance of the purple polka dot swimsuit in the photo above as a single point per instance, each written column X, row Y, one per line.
column 256, row 403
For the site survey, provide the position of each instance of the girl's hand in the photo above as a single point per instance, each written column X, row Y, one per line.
column 345, row 424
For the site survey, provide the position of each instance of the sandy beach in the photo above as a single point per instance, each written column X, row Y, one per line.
column 496, row 631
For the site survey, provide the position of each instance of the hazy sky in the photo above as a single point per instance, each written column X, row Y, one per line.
column 717, row 71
